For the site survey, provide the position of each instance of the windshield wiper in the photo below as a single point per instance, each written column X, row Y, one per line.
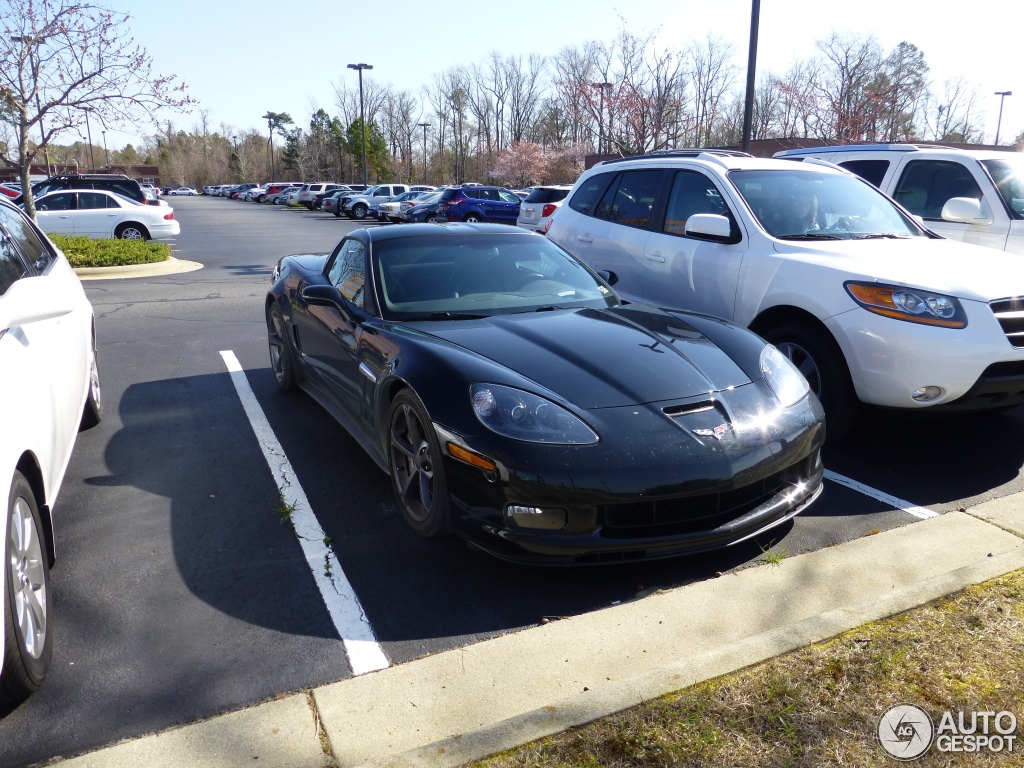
column 883, row 235
column 453, row 316
column 811, row 236
column 549, row 308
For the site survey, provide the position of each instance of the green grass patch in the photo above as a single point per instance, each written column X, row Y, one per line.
column 86, row 252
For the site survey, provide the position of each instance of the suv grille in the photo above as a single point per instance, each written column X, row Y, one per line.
column 686, row 514
column 1010, row 314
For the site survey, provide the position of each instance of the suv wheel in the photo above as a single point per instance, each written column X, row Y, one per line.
column 472, row 218
column 359, row 211
column 820, row 360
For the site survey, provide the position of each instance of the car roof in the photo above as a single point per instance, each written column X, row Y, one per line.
column 902, row 148
column 379, row 234
column 727, row 161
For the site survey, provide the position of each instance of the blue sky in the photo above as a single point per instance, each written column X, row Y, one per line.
column 241, row 58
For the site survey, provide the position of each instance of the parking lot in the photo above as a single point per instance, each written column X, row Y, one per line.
column 179, row 593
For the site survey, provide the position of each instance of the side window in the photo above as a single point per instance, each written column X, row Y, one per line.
column 401, row 189
column 348, row 272
column 26, row 237
column 383, row 192
column 508, row 197
column 128, row 191
column 488, row 194
column 91, row 200
column 11, row 266
column 692, row 192
column 64, row 202
column 872, row 171
column 926, row 185
column 112, row 202
column 630, row 199
column 585, row 198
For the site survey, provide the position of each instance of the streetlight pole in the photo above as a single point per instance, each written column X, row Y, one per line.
column 748, row 107
column 362, row 114
column 39, row 104
column 106, row 157
column 88, row 132
column 600, row 115
column 999, row 124
column 424, row 126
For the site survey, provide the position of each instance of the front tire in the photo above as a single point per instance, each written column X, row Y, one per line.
column 131, row 231
column 281, row 361
column 821, row 361
column 416, row 466
column 359, row 212
column 28, row 633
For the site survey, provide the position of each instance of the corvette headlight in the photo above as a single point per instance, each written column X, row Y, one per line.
column 784, row 378
column 909, row 304
column 524, row 416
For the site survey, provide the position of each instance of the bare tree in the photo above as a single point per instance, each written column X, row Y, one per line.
column 60, row 59
column 712, row 74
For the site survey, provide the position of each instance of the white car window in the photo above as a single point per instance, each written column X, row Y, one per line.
column 11, row 266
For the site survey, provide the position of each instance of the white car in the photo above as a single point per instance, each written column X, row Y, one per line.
column 101, row 214
column 394, row 210
column 976, row 196
column 51, row 388
column 539, row 206
column 868, row 304
column 358, row 204
column 184, row 191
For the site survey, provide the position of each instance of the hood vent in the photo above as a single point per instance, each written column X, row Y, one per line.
column 688, row 409
column 1010, row 314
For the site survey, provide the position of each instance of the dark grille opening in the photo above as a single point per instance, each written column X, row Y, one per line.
column 686, row 514
column 1010, row 314
column 1010, row 368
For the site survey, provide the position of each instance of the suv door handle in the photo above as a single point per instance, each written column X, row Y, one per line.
column 584, row 238
column 656, row 256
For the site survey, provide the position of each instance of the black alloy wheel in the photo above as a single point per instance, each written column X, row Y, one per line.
column 417, row 468
column 25, row 602
column 281, row 361
column 818, row 357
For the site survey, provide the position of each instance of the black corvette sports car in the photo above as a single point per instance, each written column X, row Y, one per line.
column 514, row 399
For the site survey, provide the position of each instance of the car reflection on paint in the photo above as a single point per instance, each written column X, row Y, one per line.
column 514, row 400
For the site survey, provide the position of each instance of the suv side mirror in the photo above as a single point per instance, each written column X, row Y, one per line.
column 966, row 210
column 709, row 226
column 32, row 299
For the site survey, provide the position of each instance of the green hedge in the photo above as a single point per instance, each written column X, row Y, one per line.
column 85, row 252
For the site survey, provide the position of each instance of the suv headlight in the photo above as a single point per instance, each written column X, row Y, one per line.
column 784, row 378
column 524, row 416
column 909, row 304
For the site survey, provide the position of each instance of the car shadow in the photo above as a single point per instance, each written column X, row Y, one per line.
column 248, row 270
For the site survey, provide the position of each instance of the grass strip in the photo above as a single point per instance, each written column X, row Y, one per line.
column 84, row 251
column 819, row 706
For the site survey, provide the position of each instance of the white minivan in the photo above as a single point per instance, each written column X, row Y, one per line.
column 870, row 305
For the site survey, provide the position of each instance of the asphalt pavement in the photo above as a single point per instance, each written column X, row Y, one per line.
column 179, row 594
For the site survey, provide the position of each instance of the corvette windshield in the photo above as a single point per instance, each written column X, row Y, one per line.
column 453, row 276
column 804, row 205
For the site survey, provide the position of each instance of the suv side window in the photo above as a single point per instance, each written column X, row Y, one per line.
column 585, row 199
column 692, row 192
column 348, row 272
column 926, row 185
column 28, row 240
column 508, row 197
column 11, row 266
column 487, row 194
column 872, row 171
column 383, row 192
column 630, row 198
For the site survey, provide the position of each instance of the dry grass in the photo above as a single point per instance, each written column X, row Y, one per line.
column 819, row 706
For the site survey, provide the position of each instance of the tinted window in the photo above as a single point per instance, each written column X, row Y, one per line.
column 382, row 192
column 872, row 171
column 448, row 194
column 542, row 195
column 508, row 197
column 26, row 237
column 63, row 202
column 127, row 188
column 348, row 272
column 112, row 203
column 630, row 198
column 586, row 197
column 926, row 185
column 11, row 266
column 691, row 193
column 91, row 200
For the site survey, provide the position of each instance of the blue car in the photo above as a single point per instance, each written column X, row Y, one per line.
column 475, row 204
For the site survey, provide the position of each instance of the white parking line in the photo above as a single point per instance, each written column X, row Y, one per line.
column 874, row 493
column 364, row 652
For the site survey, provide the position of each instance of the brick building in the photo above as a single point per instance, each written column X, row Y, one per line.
column 144, row 174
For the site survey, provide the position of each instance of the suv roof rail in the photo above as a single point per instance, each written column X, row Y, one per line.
column 851, row 148
column 88, row 176
column 681, row 152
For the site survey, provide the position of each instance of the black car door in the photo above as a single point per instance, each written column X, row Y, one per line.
column 328, row 335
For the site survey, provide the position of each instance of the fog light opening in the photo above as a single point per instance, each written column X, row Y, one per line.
column 926, row 394
column 546, row 518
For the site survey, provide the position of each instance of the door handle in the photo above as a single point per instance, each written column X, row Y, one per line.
column 656, row 256
column 65, row 217
column 584, row 238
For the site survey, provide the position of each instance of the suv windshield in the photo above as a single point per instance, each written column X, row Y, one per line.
column 448, row 276
column 804, row 205
column 546, row 195
column 1008, row 175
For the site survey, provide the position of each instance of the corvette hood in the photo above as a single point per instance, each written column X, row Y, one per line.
column 599, row 358
column 946, row 266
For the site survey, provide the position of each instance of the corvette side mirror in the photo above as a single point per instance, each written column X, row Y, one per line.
column 608, row 276
column 323, row 296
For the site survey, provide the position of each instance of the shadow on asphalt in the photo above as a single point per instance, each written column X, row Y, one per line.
column 247, row 270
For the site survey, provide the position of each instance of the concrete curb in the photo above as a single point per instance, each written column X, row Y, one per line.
column 171, row 266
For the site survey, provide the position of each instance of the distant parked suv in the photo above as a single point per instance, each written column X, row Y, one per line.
column 539, row 206
column 111, row 182
column 475, row 203
column 358, row 204
column 975, row 196
column 310, row 191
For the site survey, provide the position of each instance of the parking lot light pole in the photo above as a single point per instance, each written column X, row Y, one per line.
column 106, row 157
column 748, row 107
column 88, row 132
column 424, row 126
column 999, row 123
column 600, row 115
column 362, row 114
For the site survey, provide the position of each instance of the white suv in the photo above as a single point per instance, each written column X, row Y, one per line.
column 975, row 196
column 868, row 304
